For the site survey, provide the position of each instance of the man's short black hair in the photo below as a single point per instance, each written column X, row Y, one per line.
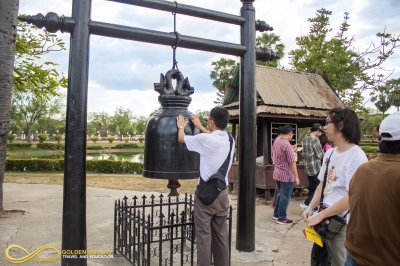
column 286, row 129
column 347, row 122
column 390, row 147
column 220, row 116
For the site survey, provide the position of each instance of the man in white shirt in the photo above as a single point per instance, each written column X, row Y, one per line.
column 210, row 220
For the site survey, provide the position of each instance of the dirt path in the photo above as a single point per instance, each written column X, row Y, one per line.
column 124, row 182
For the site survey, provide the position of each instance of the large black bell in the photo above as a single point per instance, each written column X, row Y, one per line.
column 164, row 157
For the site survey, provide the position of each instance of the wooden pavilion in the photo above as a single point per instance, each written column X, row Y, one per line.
column 283, row 97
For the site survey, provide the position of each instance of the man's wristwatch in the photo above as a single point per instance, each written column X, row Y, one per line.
column 180, row 127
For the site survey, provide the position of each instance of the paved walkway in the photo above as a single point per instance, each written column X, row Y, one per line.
column 41, row 224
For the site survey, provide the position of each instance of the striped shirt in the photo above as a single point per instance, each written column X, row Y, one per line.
column 282, row 156
column 312, row 154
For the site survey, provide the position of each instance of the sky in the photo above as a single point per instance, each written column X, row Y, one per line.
column 122, row 73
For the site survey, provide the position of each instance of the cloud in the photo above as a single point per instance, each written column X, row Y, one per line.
column 122, row 72
column 141, row 102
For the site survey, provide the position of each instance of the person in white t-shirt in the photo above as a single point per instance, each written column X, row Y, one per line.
column 343, row 128
column 210, row 220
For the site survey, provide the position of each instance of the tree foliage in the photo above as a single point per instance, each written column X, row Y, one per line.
column 222, row 74
column 29, row 108
column 349, row 71
column 273, row 42
column 31, row 71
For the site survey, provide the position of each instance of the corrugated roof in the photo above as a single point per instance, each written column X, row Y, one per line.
column 294, row 89
column 264, row 109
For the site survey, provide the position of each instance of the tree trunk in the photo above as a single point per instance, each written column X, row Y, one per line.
column 8, row 25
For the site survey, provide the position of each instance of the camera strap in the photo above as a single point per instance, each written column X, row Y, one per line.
column 325, row 178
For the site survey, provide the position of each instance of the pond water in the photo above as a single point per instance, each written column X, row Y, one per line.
column 129, row 157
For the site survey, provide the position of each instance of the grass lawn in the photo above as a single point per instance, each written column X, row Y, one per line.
column 124, row 182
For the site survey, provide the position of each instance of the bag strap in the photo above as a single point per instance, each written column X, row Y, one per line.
column 221, row 173
column 325, row 178
column 324, row 182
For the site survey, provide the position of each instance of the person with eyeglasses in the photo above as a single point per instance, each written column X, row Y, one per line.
column 339, row 165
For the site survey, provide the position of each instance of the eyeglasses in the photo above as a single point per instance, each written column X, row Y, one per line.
column 328, row 122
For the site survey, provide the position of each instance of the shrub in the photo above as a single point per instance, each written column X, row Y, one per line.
column 141, row 139
column 11, row 138
column 126, row 139
column 114, row 167
column 94, row 147
column 42, row 137
column 58, row 138
column 110, row 139
column 370, row 149
column 19, row 145
column 57, row 165
column 35, row 165
column 50, row 146
column 126, row 146
column 94, row 138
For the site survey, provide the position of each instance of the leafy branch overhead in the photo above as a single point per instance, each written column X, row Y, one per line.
column 31, row 71
column 350, row 71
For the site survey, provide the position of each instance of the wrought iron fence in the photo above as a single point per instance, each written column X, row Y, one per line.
column 157, row 230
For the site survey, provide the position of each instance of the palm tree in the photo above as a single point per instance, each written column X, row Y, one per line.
column 273, row 42
column 8, row 25
column 222, row 75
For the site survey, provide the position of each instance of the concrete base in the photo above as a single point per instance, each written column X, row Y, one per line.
column 41, row 224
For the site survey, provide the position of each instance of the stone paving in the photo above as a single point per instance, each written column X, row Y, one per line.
column 41, row 223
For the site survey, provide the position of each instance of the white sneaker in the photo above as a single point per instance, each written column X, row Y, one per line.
column 303, row 206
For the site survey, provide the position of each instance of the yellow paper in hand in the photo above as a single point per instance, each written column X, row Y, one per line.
column 313, row 236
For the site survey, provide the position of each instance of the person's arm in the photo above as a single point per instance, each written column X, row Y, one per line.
column 293, row 168
column 181, row 124
column 339, row 207
column 318, row 150
column 197, row 124
column 313, row 203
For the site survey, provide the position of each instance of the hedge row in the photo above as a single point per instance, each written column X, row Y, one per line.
column 50, row 146
column 126, row 146
column 57, row 165
column 19, row 145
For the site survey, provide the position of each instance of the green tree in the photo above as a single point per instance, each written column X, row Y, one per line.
column 139, row 124
column 337, row 60
column 369, row 121
column 99, row 122
column 122, row 121
column 222, row 75
column 31, row 71
column 8, row 22
column 203, row 116
column 394, row 87
column 273, row 42
column 382, row 99
column 29, row 107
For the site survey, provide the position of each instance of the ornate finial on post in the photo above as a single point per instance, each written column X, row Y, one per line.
column 262, row 26
column 247, row 2
column 52, row 22
column 265, row 55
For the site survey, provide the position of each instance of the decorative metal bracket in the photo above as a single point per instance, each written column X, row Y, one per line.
column 265, row 55
column 51, row 22
column 262, row 26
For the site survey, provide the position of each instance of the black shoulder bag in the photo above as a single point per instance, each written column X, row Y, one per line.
column 208, row 191
column 330, row 226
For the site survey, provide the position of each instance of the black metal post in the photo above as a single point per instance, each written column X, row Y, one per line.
column 245, row 230
column 74, row 204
